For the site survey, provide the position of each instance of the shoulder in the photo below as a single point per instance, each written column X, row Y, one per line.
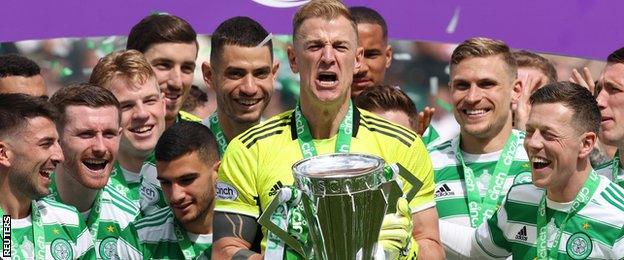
column 120, row 201
column 443, row 154
column 53, row 211
column 156, row 218
column 385, row 129
column 273, row 127
column 186, row 116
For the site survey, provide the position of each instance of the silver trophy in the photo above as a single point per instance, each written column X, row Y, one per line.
column 344, row 199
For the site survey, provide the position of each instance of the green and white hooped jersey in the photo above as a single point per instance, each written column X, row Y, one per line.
column 65, row 234
column 151, row 194
column 115, row 213
column 450, row 191
column 431, row 137
column 607, row 169
column 154, row 237
column 595, row 232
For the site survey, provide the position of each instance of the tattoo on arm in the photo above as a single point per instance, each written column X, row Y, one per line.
column 235, row 225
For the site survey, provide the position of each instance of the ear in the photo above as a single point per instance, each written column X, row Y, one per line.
column 292, row 59
column 214, row 171
column 359, row 56
column 588, row 141
column 388, row 54
column 207, row 73
column 516, row 92
column 275, row 69
column 4, row 155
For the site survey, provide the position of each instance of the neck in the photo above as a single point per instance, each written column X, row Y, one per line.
column 130, row 162
column 170, row 122
column 567, row 191
column 481, row 145
column 72, row 192
column 202, row 225
column 11, row 202
column 231, row 128
column 324, row 121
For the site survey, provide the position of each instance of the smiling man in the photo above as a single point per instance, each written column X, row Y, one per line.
column 258, row 162
column 187, row 161
column 474, row 170
column 241, row 71
column 169, row 44
column 568, row 211
column 29, row 152
column 89, row 129
column 131, row 79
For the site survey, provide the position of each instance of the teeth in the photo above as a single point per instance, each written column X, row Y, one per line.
column 141, row 129
column 327, row 83
column 539, row 160
column 248, row 102
column 475, row 111
column 95, row 161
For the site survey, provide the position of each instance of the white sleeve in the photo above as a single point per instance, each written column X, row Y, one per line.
column 459, row 242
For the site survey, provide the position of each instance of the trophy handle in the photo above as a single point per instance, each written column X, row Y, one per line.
column 393, row 189
column 284, row 196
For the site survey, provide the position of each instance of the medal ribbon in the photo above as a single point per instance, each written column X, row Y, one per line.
column 482, row 209
column 118, row 180
column 38, row 233
column 584, row 195
column 304, row 135
column 218, row 133
column 183, row 241
column 93, row 221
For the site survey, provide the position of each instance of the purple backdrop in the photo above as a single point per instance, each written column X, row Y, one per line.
column 583, row 28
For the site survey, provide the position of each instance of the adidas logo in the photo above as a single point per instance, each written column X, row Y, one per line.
column 444, row 190
column 276, row 188
column 522, row 234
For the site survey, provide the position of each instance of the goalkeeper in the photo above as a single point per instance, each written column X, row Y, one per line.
column 258, row 162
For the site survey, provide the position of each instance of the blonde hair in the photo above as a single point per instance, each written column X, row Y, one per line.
column 130, row 64
column 327, row 9
column 485, row 47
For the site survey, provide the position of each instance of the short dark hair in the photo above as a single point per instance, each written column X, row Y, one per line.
column 617, row 56
column 17, row 65
column 196, row 97
column 363, row 14
column 575, row 97
column 387, row 98
column 185, row 137
column 17, row 108
column 239, row 31
column 160, row 28
column 526, row 59
column 83, row 94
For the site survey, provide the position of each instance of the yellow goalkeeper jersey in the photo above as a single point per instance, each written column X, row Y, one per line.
column 258, row 162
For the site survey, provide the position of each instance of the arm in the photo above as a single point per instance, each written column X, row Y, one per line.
column 234, row 235
column 426, row 234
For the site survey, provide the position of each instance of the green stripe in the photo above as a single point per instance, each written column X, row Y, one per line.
column 158, row 218
column 452, row 207
column 610, row 200
column 259, row 128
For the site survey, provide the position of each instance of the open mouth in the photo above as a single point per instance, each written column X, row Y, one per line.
column 95, row 164
column 327, row 78
column 172, row 96
column 46, row 173
column 247, row 102
column 539, row 162
column 475, row 112
column 141, row 129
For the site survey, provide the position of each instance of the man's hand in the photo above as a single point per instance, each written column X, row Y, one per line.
column 584, row 80
column 523, row 107
column 424, row 119
column 396, row 233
